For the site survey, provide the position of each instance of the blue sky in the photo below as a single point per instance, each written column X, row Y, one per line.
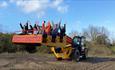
column 77, row 14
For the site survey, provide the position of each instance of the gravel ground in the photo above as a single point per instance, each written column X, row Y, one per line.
column 21, row 61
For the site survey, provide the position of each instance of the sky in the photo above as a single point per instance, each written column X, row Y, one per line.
column 77, row 14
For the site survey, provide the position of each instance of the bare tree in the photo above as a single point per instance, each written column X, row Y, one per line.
column 91, row 33
column 97, row 34
column 113, row 42
column 73, row 33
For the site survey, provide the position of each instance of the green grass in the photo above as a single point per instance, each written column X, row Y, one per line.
column 112, row 49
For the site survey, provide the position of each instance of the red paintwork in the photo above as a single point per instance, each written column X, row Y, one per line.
column 27, row 39
column 68, row 39
column 33, row 39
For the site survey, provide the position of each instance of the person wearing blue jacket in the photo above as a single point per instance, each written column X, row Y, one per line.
column 54, row 32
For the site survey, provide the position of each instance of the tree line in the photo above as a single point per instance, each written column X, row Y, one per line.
column 95, row 37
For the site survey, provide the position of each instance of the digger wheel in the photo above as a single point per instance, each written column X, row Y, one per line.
column 84, row 56
column 76, row 55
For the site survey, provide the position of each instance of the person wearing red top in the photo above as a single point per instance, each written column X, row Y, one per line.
column 46, row 30
column 43, row 25
column 44, row 35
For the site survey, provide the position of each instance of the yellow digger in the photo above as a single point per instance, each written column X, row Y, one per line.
column 67, row 49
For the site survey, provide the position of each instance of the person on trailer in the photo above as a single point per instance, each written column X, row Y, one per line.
column 44, row 35
column 36, row 28
column 54, row 32
column 62, row 31
column 31, row 29
column 24, row 28
column 46, row 30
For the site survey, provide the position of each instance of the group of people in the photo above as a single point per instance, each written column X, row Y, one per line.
column 46, row 29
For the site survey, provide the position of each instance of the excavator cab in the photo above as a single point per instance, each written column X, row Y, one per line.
column 78, row 41
column 80, row 50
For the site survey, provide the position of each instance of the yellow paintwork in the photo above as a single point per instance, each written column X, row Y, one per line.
column 65, row 53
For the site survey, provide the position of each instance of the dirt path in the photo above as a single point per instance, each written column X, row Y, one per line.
column 46, row 62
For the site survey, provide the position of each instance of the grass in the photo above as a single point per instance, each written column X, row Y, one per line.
column 113, row 48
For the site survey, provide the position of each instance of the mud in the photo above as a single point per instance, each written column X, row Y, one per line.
column 14, row 61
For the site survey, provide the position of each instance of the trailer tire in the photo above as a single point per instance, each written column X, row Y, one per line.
column 31, row 49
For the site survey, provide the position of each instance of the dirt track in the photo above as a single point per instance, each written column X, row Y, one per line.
column 45, row 62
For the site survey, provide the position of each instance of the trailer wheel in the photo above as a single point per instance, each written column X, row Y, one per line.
column 31, row 49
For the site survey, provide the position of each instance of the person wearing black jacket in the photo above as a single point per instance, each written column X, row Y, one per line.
column 31, row 29
column 62, row 32
column 22, row 27
column 26, row 28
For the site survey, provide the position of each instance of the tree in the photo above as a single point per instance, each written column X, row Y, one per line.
column 73, row 33
column 113, row 42
column 98, row 35
column 91, row 33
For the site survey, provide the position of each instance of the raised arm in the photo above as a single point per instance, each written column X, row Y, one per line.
column 31, row 27
column 43, row 25
column 35, row 26
column 60, row 25
column 26, row 26
column 65, row 27
column 52, row 24
column 21, row 26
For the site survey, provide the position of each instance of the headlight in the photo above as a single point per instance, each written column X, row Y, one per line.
column 83, row 48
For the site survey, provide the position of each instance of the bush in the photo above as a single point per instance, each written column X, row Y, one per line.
column 6, row 45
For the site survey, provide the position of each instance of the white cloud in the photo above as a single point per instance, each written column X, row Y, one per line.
column 32, row 5
column 57, row 2
column 3, row 4
column 40, row 6
column 62, row 9
column 58, row 5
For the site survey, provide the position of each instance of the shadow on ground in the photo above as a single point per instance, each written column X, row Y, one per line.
column 98, row 59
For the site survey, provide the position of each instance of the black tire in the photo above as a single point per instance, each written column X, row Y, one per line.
column 84, row 57
column 59, row 59
column 76, row 55
column 31, row 49
column 12, row 49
